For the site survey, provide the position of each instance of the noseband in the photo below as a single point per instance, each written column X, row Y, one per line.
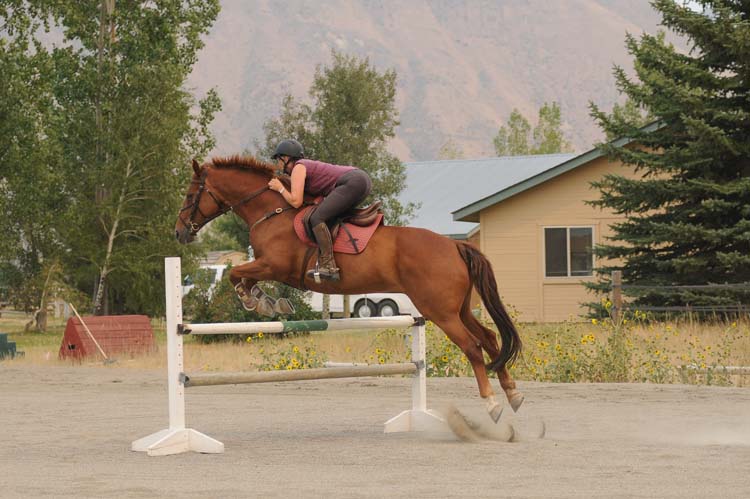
column 194, row 207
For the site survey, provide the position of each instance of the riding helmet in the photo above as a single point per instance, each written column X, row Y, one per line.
column 289, row 147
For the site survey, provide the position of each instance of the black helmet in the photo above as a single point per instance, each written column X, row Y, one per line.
column 289, row 147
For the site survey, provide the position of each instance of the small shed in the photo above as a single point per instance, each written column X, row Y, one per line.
column 116, row 334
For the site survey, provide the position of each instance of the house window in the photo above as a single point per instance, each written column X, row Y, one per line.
column 568, row 251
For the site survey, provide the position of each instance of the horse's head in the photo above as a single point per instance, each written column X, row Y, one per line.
column 223, row 185
column 202, row 204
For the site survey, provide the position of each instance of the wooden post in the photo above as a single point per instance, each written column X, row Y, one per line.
column 177, row 438
column 347, row 307
column 616, row 295
column 326, row 314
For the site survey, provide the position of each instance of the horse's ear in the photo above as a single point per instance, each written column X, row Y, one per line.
column 196, row 167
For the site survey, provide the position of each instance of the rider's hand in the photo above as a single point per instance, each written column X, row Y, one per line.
column 276, row 185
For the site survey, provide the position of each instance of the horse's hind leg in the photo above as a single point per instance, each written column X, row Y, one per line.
column 488, row 338
column 455, row 329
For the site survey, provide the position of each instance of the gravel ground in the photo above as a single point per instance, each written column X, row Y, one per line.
column 67, row 433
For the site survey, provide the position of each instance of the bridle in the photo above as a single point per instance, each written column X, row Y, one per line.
column 194, row 207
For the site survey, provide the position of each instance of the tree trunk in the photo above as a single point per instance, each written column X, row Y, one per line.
column 112, row 234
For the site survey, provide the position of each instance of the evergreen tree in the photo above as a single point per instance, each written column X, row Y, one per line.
column 688, row 214
column 518, row 139
column 629, row 112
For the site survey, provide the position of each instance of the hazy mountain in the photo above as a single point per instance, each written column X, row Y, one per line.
column 462, row 65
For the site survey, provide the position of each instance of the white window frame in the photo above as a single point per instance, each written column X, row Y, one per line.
column 567, row 249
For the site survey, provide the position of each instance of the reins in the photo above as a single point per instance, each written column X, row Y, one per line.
column 223, row 208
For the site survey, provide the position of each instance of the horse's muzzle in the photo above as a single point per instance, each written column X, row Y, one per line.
column 184, row 236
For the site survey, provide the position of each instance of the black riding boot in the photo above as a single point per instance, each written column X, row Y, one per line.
column 327, row 268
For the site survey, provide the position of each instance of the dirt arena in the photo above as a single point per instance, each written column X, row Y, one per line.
column 67, row 433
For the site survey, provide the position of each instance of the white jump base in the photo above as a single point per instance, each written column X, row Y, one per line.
column 178, row 438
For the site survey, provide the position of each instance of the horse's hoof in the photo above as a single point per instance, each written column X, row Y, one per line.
column 249, row 302
column 266, row 307
column 494, row 408
column 516, row 399
column 283, row 307
column 496, row 412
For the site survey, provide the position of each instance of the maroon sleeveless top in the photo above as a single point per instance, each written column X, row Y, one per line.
column 321, row 177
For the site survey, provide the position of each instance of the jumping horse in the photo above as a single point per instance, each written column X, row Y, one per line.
column 437, row 273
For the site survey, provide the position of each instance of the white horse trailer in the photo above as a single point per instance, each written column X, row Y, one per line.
column 368, row 305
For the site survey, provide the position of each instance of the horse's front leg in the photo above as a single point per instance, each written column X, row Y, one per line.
column 245, row 280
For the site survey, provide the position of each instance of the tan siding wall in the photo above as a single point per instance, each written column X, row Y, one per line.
column 475, row 240
column 512, row 238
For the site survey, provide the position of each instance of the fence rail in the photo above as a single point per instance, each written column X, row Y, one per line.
column 619, row 305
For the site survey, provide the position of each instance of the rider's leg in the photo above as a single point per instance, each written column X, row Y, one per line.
column 350, row 190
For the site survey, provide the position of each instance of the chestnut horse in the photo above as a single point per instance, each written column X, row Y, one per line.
column 437, row 273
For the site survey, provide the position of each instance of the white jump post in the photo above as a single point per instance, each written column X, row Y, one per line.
column 177, row 438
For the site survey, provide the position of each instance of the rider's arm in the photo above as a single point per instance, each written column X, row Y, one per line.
column 297, row 195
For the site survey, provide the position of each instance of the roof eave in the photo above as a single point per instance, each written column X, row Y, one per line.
column 470, row 213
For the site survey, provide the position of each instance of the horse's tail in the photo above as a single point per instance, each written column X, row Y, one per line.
column 483, row 279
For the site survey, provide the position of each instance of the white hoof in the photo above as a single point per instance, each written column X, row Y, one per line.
column 494, row 408
column 515, row 399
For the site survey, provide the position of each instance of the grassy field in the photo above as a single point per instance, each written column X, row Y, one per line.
column 636, row 350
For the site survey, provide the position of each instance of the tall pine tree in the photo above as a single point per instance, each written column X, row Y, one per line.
column 688, row 214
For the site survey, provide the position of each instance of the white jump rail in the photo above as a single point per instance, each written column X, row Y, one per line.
column 178, row 438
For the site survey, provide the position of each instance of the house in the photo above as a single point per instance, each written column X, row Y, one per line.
column 539, row 233
column 442, row 187
column 529, row 216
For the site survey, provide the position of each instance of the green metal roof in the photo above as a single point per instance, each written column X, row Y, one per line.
column 470, row 212
column 441, row 187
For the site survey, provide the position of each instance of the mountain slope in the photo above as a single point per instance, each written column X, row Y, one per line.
column 462, row 65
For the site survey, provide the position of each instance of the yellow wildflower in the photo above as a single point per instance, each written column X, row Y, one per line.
column 295, row 349
column 260, row 334
column 445, row 358
column 594, row 322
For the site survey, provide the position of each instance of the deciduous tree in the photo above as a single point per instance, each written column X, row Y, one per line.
column 518, row 139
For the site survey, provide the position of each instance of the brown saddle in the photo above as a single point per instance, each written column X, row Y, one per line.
column 362, row 217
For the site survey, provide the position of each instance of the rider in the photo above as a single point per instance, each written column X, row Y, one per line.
column 344, row 187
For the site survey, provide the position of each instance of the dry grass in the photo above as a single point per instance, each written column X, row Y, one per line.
column 338, row 346
column 678, row 343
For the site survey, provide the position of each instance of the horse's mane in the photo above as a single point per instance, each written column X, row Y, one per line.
column 243, row 162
